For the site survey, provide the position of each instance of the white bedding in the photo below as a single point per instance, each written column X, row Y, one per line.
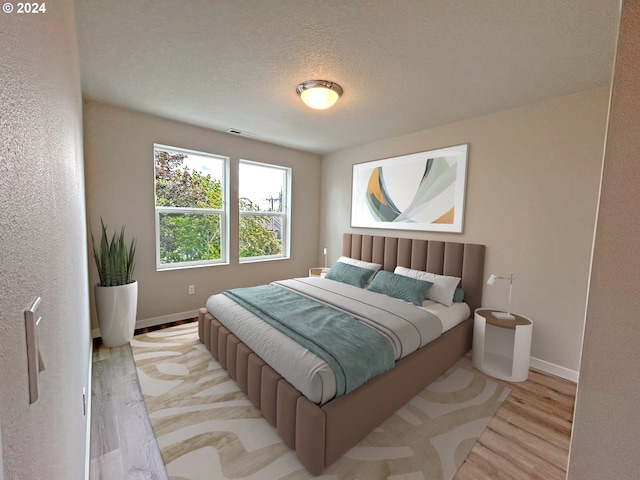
column 308, row 373
column 449, row 316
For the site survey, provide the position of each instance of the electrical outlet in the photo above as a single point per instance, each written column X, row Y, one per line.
column 192, row 289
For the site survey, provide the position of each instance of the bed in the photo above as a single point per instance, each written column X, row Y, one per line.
column 322, row 429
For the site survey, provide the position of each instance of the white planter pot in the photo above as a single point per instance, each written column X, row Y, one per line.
column 117, row 308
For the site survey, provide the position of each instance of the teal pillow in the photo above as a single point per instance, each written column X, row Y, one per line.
column 351, row 274
column 458, row 295
column 398, row 286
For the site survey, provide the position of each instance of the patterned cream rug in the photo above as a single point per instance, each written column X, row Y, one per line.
column 208, row 429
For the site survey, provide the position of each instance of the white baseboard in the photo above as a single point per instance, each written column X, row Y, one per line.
column 550, row 368
column 554, row 369
column 152, row 322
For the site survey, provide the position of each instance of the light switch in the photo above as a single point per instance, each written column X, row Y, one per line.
column 35, row 363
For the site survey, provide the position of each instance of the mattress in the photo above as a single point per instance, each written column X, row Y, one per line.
column 312, row 376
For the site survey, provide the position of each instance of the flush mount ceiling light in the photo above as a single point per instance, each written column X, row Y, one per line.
column 319, row 94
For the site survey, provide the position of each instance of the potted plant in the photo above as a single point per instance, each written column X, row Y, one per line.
column 117, row 293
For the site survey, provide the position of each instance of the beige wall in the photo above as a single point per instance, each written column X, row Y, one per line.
column 606, row 432
column 43, row 246
column 120, row 185
column 532, row 188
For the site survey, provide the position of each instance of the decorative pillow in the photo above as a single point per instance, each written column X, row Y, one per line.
column 399, row 286
column 458, row 296
column 361, row 263
column 351, row 274
column 443, row 286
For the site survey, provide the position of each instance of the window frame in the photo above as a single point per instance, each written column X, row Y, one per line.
column 285, row 214
column 222, row 212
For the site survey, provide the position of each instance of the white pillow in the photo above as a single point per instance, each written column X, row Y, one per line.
column 362, row 264
column 443, row 286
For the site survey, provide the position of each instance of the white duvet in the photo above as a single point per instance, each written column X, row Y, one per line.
column 308, row 373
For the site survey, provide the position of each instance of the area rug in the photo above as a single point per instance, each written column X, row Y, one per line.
column 207, row 428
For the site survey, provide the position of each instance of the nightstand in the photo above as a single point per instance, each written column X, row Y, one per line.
column 318, row 271
column 502, row 347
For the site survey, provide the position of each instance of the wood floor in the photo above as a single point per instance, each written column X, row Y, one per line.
column 122, row 443
column 529, row 436
column 527, row 439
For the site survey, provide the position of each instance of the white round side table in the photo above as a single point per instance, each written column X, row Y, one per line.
column 502, row 347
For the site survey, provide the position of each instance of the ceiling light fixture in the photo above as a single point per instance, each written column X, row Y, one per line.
column 319, row 94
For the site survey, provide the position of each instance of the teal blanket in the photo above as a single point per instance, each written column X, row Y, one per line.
column 354, row 351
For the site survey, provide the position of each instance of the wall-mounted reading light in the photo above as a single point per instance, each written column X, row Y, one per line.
column 319, row 94
column 502, row 315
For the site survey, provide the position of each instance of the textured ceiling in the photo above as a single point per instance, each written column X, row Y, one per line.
column 405, row 65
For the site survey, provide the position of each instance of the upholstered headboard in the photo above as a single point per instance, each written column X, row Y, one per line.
column 464, row 260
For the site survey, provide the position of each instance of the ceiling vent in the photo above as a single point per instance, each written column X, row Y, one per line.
column 235, row 131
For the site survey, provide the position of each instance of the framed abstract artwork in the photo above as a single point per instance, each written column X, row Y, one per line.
column 419, row 191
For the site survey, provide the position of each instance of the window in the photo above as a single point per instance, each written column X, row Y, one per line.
column 264, row 211
column 191, row 208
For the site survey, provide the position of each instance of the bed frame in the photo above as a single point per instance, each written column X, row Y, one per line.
column 321, row 434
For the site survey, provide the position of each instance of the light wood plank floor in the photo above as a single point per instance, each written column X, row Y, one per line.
column 529, row 436
column 527, row 439
column 122, row 443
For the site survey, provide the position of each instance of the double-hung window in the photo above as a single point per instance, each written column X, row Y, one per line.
column 191, row 208
column 264, row 201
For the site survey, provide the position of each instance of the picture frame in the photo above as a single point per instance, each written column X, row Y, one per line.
column 419, row 191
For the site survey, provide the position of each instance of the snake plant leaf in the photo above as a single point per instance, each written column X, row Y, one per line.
column 114, row 261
